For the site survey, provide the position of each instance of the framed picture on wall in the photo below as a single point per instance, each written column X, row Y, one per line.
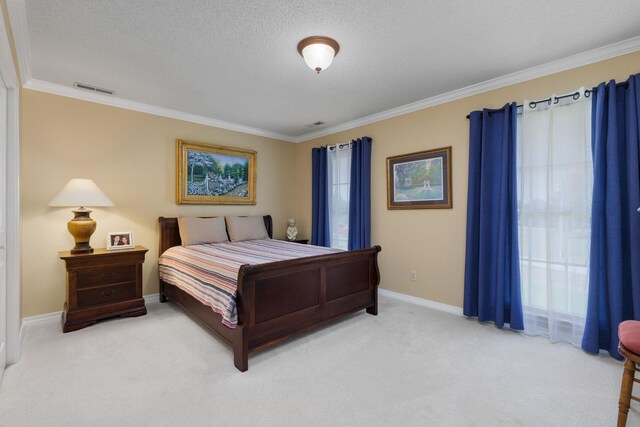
column 214, row 175
column 420, row 180
column 120, row 240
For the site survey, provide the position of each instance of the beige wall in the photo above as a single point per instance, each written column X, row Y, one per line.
column 432, row 242
column 131, row 156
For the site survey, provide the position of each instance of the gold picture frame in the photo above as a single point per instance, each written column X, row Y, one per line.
column 208, row 174
column 420, row 180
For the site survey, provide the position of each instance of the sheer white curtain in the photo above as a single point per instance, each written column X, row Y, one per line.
column 555, row 179
column 339, row 176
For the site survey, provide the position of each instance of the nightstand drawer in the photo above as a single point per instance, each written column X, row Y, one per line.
column 106, row 275
column 106, row 294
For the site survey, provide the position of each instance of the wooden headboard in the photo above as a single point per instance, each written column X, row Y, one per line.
column 170, row 234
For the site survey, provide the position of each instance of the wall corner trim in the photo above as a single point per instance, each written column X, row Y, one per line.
column 17, row 10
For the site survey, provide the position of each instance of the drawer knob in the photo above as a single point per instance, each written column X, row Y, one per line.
column 107, row 293
column 108, row 276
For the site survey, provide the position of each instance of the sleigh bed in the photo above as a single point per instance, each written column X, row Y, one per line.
column 276, row 300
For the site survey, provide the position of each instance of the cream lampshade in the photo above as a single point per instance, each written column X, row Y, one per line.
column 81, row 192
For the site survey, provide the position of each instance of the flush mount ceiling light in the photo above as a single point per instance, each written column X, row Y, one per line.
column 318, row 51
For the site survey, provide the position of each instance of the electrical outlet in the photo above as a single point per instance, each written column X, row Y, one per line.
column 413, row 276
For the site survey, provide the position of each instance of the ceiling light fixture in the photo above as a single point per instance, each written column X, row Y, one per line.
column 318, row 51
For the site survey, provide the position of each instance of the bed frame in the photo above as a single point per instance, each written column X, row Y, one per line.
column 280, row 299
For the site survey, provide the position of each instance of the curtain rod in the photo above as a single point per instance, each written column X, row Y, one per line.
column 534, row 104
column 338, row 146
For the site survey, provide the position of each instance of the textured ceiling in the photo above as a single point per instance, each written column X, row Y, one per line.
column 236, row 61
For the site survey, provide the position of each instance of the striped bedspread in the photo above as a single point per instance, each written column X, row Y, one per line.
column 209, row 272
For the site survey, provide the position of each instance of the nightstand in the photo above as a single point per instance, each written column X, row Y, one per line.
column 102, row 284
column 303, row 241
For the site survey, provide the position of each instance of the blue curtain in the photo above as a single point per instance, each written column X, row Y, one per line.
column 614, row 271
column 492, row 264
column 360, row 194
column 320, row 231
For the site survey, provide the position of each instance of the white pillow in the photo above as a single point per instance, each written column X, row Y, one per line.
column 246, row 228
column 194, row 231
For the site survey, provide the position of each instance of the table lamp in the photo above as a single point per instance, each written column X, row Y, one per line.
column 81, row 192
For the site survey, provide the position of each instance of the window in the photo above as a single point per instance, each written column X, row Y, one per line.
column 555, row 180
column 339, row 176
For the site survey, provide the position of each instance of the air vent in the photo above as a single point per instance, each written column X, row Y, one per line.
column 94, row 88
column 316, row 124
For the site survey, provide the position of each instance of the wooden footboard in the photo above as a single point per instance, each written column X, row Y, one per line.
column 281, row 299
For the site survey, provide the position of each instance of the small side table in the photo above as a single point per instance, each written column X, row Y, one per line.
column 303, row 241
column 102, row 284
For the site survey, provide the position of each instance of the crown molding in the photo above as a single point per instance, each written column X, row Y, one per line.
column 72, row 92
column 17, row 15
column 568, row 63
column 18, row 19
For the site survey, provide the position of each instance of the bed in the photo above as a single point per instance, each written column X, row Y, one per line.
column 277, row 300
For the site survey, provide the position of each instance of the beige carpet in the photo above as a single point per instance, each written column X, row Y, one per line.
column 409, row 366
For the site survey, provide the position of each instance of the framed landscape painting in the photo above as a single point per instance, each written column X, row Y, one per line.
column 214, row 175
column 420, row 180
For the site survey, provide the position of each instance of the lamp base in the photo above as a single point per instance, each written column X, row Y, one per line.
column 81, row 228
column 82, row 248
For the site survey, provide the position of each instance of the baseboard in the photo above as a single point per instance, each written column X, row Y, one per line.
column 151, row 299
column 155, row 299
column 421, row 302
column 148, row 300
column 39, row 319
column 31, row 320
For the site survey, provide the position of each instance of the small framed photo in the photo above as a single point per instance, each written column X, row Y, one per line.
column 119, row 240
column 420, row 180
